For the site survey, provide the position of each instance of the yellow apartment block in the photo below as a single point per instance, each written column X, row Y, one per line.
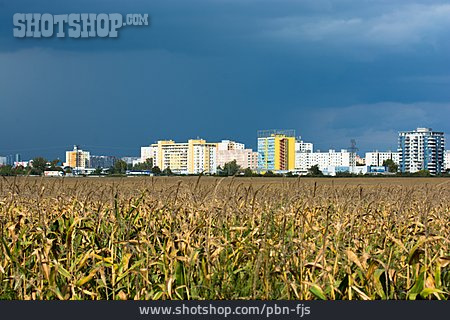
column 276, row 153
column 284, row 153
column 194, row 157
column 77, row 158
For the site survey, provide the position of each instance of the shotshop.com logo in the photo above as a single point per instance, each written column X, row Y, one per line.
column 74, row 25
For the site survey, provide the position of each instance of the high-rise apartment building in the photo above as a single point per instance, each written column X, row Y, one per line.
column 202, row 157
column 194, row 157
column 276, row 150
column 377, row 158
column 77, row 158
column 421, row 149
column 228, row 151
column 168, row 154
column 303, row 152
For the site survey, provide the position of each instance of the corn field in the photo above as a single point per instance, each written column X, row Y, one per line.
column 224, row 238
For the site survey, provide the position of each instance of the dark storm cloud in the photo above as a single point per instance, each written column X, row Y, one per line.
column 333, row 70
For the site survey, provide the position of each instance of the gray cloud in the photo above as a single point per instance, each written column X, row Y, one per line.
column 398, row 28
column 226, row 68
column 374, row 126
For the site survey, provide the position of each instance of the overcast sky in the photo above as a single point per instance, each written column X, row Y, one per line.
column 223, row 69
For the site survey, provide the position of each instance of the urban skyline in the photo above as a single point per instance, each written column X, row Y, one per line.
column 279, row 151
column 58, row 152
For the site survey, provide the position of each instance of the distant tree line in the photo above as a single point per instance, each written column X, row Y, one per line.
column 39, row 164
column 37, row 167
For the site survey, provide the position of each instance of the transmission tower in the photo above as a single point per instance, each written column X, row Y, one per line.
column 353, row 149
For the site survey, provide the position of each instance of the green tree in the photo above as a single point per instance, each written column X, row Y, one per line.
column 6, row 170
column 19, row 170
column 314, row 171
column 422, row 173
column 39, row 165
column 167, row 172
column 156, row 170
column 248, row 172
column 392, row 166
column 55, row 165
column 120, row 167
column 269, row 174
column 231, row 168
column 147, row 165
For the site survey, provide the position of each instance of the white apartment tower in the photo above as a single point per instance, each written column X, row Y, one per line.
column 421, row 149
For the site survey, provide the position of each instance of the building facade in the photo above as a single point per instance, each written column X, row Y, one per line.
column 168, row 154
column 131, row 160
column 447, row 160
column 301, row 146
column 77, row 158
column 202, row 157
column 421, row 149
column 10, row 159
column 194, row 157
column 102, row 161
column 276, row 150
column 227, row 151
column 324, row 160
column 360, row 161
column 230, row 145
column 146, row 153
column 303, row 152
column 377, row 158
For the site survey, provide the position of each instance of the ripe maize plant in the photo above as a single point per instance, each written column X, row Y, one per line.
column 224, row 238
